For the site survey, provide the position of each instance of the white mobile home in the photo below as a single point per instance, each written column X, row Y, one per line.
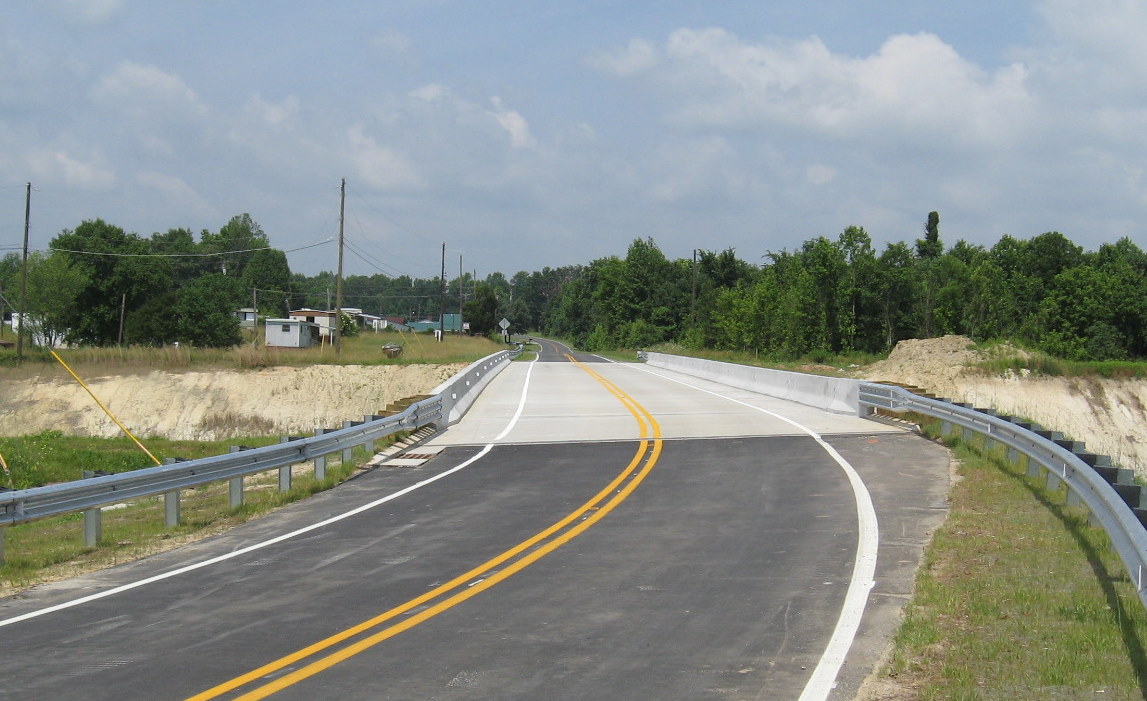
column 291, row 333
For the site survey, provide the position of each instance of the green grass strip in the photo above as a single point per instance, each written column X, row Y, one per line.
column 1018, row 597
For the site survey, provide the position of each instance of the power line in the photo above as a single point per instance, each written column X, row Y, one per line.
column 186, row 255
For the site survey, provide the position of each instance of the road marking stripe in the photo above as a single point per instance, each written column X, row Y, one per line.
column 279, row 538
column 823, row 678
column 619, row 489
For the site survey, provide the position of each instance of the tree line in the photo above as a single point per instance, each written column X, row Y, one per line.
column 100, row 285
column 840, row 295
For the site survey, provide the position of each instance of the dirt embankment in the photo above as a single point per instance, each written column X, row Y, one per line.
column 1110, row 415
column 213, row 405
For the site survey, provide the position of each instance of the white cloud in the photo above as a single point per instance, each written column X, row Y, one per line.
column 271, row 114
column 432, row 92
column 820, row 174
column 146, row 91
column 61, row 168
column 177, row 193
column 379, row 165
column 514, row 124
column 914, row 86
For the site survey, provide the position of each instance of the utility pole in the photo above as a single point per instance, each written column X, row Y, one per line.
column 255, row 321
column 24, row 279
column 122, row 312
column 693, row 297
column 337, row 330
column 442, row 297
column 461, row 294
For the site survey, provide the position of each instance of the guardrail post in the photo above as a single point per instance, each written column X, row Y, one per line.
column 171, row 508
column 2, row 531
column 1034, row 468
column 369, row 445
column 93, row 527
column 285, row 470
column 93, row 523
column 235, row 484
column 170, row 502
column 348, row 453
column 321, row 461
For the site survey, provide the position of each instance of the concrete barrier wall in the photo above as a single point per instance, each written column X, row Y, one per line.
column 460, row 391
column 835, row 394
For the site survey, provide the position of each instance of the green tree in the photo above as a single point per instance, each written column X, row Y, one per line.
column 1078, row 317
column 153, row 323
column 54, row 285
column 347, row 326
column 269, row 274
column 482, row 311
column 205, row 312
column 930, row 246
column 237, row 243
column 120, row 278
column 896, row 285
column 180, row 245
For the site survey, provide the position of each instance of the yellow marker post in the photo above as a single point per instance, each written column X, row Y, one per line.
column 7, row 472
column 101, row 405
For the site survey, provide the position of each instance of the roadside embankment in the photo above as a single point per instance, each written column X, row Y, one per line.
column 215, row 404
column 1109, row 415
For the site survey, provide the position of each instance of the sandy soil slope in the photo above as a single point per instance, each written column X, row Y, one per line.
column 214, row 405
column 1110, row 415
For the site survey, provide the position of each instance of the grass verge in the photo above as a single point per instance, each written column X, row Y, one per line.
column 53, row 549
column 1018, row 598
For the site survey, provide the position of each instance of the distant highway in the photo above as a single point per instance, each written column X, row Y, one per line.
column 589, row 530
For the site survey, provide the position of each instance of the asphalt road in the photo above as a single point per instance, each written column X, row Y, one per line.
column 589, row 530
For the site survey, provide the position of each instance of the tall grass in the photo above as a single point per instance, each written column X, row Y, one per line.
column 364, row 349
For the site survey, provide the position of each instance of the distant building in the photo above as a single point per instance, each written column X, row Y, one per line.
column 451, row 323
column 291, row 333
column 248, row 317
column 324, row 319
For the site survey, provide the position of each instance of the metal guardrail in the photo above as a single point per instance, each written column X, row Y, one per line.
column 1109, row 493
column 21, row 506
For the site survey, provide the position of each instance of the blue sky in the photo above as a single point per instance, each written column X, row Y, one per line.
column 534, row 134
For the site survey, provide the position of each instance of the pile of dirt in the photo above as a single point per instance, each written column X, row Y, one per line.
column 214, row 405
column 1109, row 415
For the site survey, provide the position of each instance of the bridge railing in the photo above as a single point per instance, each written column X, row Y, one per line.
column 88, row 495
column 1114, row 499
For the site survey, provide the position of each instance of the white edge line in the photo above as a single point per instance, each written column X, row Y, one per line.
column 280, row 538
column 823, row 678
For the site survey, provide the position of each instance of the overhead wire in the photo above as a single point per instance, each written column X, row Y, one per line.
column 188, row 255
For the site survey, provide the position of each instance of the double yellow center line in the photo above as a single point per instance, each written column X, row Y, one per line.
column 343, row 645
